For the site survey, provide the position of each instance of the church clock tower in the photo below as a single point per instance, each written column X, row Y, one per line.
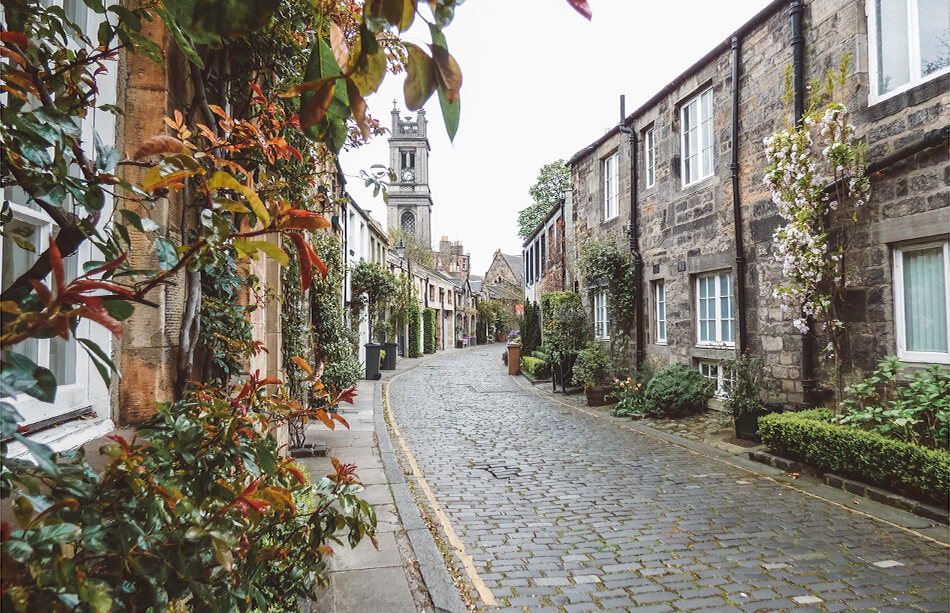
column 410, row 203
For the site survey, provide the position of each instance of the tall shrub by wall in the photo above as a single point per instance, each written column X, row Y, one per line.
column 414, row 340
column 428, row 331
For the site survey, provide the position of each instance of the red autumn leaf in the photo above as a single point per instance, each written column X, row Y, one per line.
column 581, row 7
column 303, row 364
column 56, row 265
column 107, row 266
column 4, row 531
column 13, row 55
column 296, row 472
column 340, row 419
column 347, row 395
column 304, row 252
column 322, row 416
column 244, row 392
column 159, row 144
column 16, row 38
column 316, row 108
column 298, row 219
column 45, row 295
column 250, row 489
column 94, row 311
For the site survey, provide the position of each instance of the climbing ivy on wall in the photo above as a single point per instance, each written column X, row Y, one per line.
column 428, row 331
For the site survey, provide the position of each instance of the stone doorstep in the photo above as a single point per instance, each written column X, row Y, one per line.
column 857, row 488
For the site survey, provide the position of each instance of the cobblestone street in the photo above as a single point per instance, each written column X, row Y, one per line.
column 565, row 510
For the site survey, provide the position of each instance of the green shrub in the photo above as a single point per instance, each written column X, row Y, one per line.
column 481, row 332
column 915, row 410
column 748, row 385
column 677, row 390
column 428, row 331
column 541, row 355
column 414, row 340
column 867, row 456
column 592, row 366
column 630, row 393
column 535, row 368
column 530, row 327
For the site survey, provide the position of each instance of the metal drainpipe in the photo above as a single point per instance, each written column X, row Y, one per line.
column 795, row 10
column 640, row 353
column 736, row 202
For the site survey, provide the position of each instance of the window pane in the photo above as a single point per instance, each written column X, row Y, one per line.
column 893, row 49
column 934, row 17
column 925, row 300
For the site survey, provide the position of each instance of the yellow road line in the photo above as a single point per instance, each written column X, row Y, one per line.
column 467, row 562
column 752, row 472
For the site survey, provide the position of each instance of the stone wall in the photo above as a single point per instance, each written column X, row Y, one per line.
column 688, row 231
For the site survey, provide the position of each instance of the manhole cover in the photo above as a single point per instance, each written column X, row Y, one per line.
column 498, row 471
column 488, row 388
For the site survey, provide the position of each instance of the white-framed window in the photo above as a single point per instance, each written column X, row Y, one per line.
column 611, row 186
column 649, row 155
column 697, row 124
column 719, row 374
column 601, row 315
column 715, row 310
column 659, row 311
column 79, row 389
column 907, row 44
column 921, row 299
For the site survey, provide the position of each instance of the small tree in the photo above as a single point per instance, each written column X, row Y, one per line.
column 530, row 328
column 553, row 180
column 816, row 177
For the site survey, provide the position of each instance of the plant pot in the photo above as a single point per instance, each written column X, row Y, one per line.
column 596, row 395
column 372, row 361
column 514, row 358
column 389, row 361
column 747, row 425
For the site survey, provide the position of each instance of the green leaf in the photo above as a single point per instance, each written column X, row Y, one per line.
column 450, row 113
column 55, row 533
column 17, row 549
column 118, row 309
column 44, row 456
column 420, row 77
column 224, row 180
column 133, row 218
column 167, row 254
column 272, row 250
column 20, row 374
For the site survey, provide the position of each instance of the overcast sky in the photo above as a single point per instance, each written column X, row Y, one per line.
column 540, row 82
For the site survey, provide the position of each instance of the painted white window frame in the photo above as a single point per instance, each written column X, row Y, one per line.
column 718, row 316
column 899, row 314
column 649, row 156
column 718, row 373
column 611, row 169
column 702, row 145
column 913, row 55
column 602, row 315
column 88, row 390
column 659, row 311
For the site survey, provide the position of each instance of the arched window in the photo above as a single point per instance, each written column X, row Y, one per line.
column 408, row 222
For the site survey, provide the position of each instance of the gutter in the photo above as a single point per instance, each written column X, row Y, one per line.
column 795, row 10
column 634, row 233
column 736, row 201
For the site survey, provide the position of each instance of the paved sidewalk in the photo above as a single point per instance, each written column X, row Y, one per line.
column 407, row 574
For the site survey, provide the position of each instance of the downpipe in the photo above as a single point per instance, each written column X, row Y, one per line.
column 634, row 234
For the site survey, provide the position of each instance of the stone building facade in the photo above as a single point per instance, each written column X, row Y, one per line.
column 410, row 203
column 544, row 253
column 679, row 147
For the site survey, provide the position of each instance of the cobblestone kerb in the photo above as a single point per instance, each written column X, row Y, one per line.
column 565, row 510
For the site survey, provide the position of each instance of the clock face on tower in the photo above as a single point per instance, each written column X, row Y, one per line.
column 407, row 175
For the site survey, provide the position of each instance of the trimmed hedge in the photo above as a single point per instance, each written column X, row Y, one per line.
column 415, row 323
column 867, row 456
column 675, row 391
column 535, row 368
column 428, row 331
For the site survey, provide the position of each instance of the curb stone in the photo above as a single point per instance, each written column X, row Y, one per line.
column 438, row 582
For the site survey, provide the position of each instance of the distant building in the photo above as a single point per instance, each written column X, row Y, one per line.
column 545, row 252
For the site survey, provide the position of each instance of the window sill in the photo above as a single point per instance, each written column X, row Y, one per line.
column 713, row 352
column 922, row 360
column 697, row 182
column 64, row 437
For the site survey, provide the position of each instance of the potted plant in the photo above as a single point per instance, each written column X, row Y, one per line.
column 514, row 351
column 384, row 331
column 744, row 399
column 592, row 370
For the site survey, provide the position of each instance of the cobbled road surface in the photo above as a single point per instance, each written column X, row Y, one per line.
column 565, row 511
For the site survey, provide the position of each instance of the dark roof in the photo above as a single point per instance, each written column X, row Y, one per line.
column 724, row 45
column 516, row 263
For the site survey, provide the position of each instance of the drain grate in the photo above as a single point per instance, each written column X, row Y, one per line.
column 498, row 471
column 488, row 388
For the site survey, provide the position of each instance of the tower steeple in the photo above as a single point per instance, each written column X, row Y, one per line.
column 410, row 202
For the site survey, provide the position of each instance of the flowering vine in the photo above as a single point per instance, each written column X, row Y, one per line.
column 817, row 181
